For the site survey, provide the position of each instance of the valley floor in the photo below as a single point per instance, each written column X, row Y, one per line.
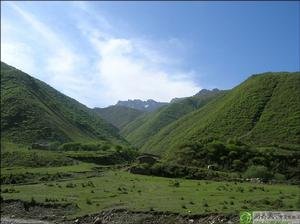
column 84, row 190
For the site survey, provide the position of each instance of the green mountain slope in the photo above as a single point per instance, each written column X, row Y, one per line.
column 143, row 128
column 32, row 111
column 263, row 110
column 119, row 116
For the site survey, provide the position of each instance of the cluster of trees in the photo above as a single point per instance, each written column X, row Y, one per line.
column 234, row 156
column 77, row 146
column 105, row 153
column 171, row 169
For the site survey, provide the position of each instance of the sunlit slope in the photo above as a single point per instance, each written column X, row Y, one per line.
column 32, row 111
column 119, row 116
column 263, row 110
column 143, row 128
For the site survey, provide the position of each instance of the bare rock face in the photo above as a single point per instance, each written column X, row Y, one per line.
column 148, row 105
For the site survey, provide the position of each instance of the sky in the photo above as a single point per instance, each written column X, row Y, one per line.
column 102, row 52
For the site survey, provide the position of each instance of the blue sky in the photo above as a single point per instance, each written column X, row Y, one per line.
column 101, row 52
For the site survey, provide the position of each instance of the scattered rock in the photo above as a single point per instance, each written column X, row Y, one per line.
column 97, row 221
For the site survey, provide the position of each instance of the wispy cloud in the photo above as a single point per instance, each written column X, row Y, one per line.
column 119, row 69
column 128, row 76
column 64, row 68
column 15, row 53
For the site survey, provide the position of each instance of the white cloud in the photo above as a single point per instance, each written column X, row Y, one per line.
column 128, row 77
column 123, row 68
column 14, row 53
column 63, row 67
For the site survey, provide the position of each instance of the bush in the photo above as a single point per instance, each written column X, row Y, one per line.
column 33, row 201
column 258, row 172
column 205, row 204
column 237, row 164
column 10, row 190
column 70, row 185
column 70, row 146
column 51, row 200
column 278, row 203
column 174, row 183
column 279, row 177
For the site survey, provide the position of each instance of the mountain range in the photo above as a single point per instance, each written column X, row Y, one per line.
column 264, row 110
column 148, row 105
column 145, row 127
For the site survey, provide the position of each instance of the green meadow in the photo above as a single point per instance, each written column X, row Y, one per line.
column 120, row 189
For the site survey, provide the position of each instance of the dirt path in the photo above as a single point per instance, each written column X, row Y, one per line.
column 14, row 212
column 5, row 220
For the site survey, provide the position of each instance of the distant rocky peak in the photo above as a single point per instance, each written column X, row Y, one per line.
column 148, row 105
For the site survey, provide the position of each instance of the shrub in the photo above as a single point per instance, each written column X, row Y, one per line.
column 70, row 185
column 175, row 183
column 258, row 172
column 278, row 203
column 33, row 201
column 88, row 201
column 52, row 199
column 237, row 164
column 90, row 184
column 240, row 189
column 71, row 146
column 266, row 201
column 279, row 177
column 10, row 190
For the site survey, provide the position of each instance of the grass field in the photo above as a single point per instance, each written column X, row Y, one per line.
column 96, row 187
column 81, row 167
column 120, row 189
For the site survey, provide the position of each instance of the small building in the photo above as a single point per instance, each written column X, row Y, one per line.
column 147, row 158
column 42, row 146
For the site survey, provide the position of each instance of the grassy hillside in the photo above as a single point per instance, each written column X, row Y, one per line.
column 14, row 155
column 32, row 111
column 119, row 116
column 140, row 130
column 263, row 110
